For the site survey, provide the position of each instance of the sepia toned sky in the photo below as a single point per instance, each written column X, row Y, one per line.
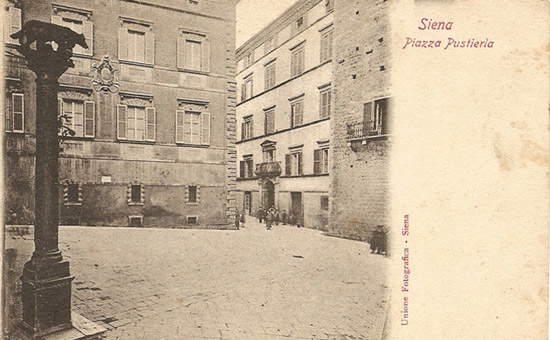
column 253, row 15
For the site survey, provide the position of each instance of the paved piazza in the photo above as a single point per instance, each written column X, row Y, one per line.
column 287, row 283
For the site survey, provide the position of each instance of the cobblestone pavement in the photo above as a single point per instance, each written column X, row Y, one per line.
column 286, row 283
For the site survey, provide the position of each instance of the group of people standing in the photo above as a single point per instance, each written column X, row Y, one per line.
column 273, row 216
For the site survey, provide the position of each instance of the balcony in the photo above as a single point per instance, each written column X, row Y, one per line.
column 365, row 130
column 268, row 169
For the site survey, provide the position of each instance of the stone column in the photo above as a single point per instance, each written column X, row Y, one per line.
column 46, row 277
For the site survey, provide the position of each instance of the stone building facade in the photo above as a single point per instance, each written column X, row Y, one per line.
column 160, row 151
column 360, row 125
column 284, row 83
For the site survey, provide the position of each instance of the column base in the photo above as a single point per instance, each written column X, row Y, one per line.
column 80, row 329
column 46, row 296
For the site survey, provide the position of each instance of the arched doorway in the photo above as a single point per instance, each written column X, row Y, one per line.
column 268, row 195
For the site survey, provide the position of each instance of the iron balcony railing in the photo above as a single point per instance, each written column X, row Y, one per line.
column 363, row 129
column 268, row 169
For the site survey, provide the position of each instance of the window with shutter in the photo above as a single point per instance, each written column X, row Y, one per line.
column 12, row 24
column 193, row 51
column 317, row 162
column 121, row 121
column 367, row 119
column 242, row 169
column 205, row 128
column 297, row 112
column 18, row 112
column 326, row 45
column 297, row 60
column 250, row 167
column 193, row 127
column 270, row 76
column 79, row 116
column 151, row 123
column 269, row 122
column 89, row 119
column 325, row 103
column 136, row 42
column 288, row 164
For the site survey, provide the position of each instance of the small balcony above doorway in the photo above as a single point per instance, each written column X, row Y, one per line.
column 268, row 169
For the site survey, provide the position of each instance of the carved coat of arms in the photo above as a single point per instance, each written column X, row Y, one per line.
column 105, row 76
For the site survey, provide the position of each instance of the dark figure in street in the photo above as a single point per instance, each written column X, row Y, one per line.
column 378, row 240
column 237, row 219
column 269, row 219
column 284, row 217
column 261, row 214
column 276, row 216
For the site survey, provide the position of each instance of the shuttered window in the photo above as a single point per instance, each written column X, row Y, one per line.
column 325, row 97
column 136, row 42
column 296, row 113
column 12, row 24
column 297, row 58
column 269, row 121
column 326, row 45
column 320, row 161
column 193, row 52
column 270, row 76
column 136, row 123
column 376, row 117
column 192, row 127
column 293, row 164
column 247, row 128
column 79, row 116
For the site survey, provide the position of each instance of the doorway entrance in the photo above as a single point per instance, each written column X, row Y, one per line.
column 269, row 195
column 297, row 207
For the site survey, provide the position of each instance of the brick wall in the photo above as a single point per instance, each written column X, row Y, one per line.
column 359, row 172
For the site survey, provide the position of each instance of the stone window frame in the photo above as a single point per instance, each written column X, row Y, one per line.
column 63, row 14
column 129, row 194
column 269, row 113
column 196, row 36
column 270, row 74
column 10, row 110
column 247, row 125
column 246, row 166
column 80, row 196
column 378, row 120
column 197, row 194
column 326, row 50
column 324, row 206
column 294, row 102
column 84, row 95
column 294, row 161
column 136, row 25
column 12, row 11
column 136, row 100
column 321, row 159
column 186, row 107
column 325, row 89
column 298, row 65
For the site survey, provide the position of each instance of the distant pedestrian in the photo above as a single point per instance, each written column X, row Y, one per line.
column 237, row 219
column 378, row 240
column 269, row 219
column 261, row 214
column 283, row 217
